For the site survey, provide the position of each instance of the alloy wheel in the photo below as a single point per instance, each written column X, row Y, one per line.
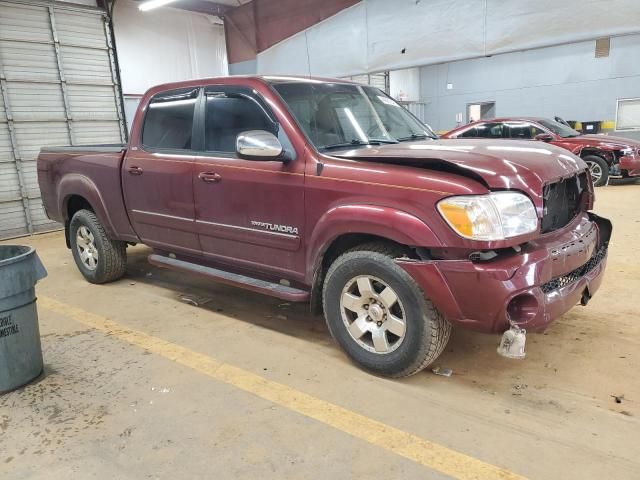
column 596, row 171
column 85, row 243
column 373, row 314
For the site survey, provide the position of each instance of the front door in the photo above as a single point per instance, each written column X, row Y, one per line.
column 249, row 213
column 157, row 174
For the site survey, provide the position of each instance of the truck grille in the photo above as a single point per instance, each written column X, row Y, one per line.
column 577, row 274
column 562, row 201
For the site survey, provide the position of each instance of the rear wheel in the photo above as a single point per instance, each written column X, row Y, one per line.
column 598, row 168
column 99, row 259
column 379, row 315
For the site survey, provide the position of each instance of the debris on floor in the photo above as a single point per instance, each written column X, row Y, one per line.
column 193, row 300
column 442, row 371
column 519, row 388
column 188, row 300
column 618, row 398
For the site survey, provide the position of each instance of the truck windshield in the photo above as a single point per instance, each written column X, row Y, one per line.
column 559, row 129
column 337, row 115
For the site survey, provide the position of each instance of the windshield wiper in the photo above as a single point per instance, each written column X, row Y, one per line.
column 414, row 136
column 356, row 142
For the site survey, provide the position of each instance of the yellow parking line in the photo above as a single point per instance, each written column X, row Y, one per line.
column 407, row 445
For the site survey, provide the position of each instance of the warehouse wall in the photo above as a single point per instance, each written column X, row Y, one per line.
column 376, row 35
column 165, row 45
column 565, row 80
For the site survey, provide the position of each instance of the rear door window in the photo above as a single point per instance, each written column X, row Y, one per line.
column 168, row 122
column 485, row 130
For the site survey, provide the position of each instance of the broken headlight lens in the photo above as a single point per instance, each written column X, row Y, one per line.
column 495, row 216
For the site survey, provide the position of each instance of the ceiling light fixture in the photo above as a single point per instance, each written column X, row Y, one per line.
column 151, row 4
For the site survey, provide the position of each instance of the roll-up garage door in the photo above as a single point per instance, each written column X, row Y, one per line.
column 59, row 87
column 380, row 80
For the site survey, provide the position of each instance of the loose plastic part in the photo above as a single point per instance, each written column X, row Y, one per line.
column 513, row 343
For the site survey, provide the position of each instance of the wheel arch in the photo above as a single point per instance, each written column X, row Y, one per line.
column 607, row 156
column 346, row 227
column 76, row 192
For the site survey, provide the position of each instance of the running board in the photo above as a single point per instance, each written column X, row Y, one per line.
column 255, row 285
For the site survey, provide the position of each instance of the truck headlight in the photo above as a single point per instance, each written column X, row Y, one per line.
column 495, row 216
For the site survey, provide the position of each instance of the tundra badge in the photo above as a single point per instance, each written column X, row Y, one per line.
column 274, row 227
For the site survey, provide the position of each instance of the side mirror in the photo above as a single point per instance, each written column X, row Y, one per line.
column 543, row 137
column 258, row 145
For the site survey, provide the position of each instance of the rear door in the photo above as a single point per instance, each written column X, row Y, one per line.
column 249, row 213
column 157, row 174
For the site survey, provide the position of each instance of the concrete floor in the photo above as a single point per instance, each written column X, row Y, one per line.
column 108, row 409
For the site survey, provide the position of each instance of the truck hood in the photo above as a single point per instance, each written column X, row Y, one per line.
column 602, row 141
column 503, row 164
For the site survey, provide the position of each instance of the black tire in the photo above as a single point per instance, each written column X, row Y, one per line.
column 112, row 254
column 426, row 331
column 594, row 161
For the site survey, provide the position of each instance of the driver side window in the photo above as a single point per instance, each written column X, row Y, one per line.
column 226, row 116
column 523, row 131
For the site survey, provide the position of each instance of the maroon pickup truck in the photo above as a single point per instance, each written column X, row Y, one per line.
column 330, row 192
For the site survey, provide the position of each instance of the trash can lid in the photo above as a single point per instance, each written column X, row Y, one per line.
column 20, row 269
column 13, row 253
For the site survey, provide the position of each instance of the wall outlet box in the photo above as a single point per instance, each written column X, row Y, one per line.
column 449, row 86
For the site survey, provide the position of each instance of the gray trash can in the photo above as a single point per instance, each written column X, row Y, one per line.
column 20, row 350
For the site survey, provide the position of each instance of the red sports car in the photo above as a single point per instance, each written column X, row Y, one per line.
column 606, row 156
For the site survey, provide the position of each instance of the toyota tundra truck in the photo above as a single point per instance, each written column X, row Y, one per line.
column 329, row 192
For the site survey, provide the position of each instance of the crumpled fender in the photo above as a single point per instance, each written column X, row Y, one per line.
column 386, row 222
column 78, row 184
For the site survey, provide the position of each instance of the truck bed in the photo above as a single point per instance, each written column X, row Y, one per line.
column 85, row 176
column 96, row 148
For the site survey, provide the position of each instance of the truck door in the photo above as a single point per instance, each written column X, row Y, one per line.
column 157, row 174
column 249, row 213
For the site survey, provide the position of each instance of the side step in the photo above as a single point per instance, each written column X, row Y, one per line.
column 261, row 286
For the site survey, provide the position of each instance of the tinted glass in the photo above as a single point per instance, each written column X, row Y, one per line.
column 471, row 133
column 484, row 130
column 522, row 130
column 168, row 122
column 228, row 116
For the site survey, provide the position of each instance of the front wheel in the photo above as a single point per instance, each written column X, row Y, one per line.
column 598, row 168
column 379, row 315
column 99, row 259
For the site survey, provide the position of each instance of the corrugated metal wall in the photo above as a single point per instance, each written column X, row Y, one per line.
column 58, row 88
column 379, row 80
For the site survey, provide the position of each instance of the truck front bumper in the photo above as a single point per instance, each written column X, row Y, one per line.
column 530, row 288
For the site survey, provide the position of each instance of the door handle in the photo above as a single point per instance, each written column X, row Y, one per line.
column 209, row 177
column 135, row 170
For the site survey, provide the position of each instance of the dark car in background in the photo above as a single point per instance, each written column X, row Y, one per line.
column 606, row 155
